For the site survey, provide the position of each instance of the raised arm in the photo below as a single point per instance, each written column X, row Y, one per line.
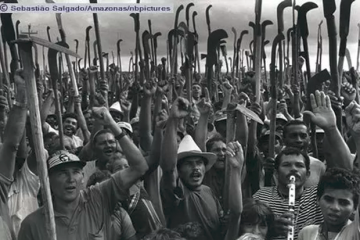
column 323, row 116
column 168, row 161
column 14, row 129
column 235, row 155
column 145, row 116
column 137, row 163
column 201, row 130
column 81, row 119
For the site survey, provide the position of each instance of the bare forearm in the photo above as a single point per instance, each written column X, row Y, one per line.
column 242, row 130
column 169, row 149
column 12, row 136
column 235, row 200
column 145, row 124
column 201, row 132
column 155, row 153
column 82, row 122
column 46, row 108
column 226, row 101
column 340, row 152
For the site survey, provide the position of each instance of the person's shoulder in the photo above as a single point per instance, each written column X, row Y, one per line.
column 308, row 231
column 35, row 217
column 315, row 161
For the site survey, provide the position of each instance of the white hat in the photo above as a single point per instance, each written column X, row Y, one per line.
column 188, row 148
column 125, row 125
column 281, row 116
column 63, row 157
column 116, row 107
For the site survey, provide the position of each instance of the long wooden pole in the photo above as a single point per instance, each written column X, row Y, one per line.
column 26, row 56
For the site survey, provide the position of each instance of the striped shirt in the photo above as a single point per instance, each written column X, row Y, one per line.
column 307, row 210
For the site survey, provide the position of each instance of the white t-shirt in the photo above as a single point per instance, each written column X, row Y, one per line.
column 76, row 140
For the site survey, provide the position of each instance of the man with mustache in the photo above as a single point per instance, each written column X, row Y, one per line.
column 184, row 197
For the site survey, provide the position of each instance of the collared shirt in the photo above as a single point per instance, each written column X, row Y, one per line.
column 307, row 210
column 23, row 190
column 6, row 230
column 182, row 205
column 91, row 219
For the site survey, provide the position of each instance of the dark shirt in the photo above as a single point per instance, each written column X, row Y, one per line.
column 182, row 205
column 216, row 180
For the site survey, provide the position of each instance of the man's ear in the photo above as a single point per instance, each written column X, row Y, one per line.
column 308, row 174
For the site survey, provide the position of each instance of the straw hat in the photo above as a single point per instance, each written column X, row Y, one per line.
column 116, row 107
column 188, row 148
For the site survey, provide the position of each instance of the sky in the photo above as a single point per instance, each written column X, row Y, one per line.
column 224, row 14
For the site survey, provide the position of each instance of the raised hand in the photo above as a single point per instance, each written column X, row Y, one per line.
column 353, row 118
column 180, row 108
column 348, row 92
column 226, row 87
column 150, row 87
column 236, row 154
column 204, row 106
column 102, row 115
column 322, row 114
column 125, row 105
column 282, row 107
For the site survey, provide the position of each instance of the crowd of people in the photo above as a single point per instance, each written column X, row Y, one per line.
column 140, row 165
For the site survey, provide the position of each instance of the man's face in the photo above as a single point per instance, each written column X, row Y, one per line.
column 105, row 146
column 196, row 91
column 192, row 171
column 89, row 121
column 66, row 183
column 292, row 165
column 336, row 206
column 219, row 148
column 120, row 163
column 297, row 137
column 51, row 121
column 70, row 125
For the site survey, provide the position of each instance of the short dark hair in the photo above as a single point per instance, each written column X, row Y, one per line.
column 100, row 132
column 292, row 123
column 69, row 115
column 216, row 138
column 292, row 151
column 337, row 178
column 98, row 177
column 256, row 211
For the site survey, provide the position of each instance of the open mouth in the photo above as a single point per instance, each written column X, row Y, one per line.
column 196, row 176
column 108, row 152
column 70, row 188
column 68, row 130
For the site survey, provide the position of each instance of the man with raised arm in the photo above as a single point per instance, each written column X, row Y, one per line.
column 85, row 214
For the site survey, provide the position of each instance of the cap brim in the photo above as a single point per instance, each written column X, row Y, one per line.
column 75, row 163
column 210, row 157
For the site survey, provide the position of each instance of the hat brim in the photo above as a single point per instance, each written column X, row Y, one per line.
column 210, row 157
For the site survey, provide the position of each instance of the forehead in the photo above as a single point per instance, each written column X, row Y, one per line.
column 299, row 128
column 293, row 158
column 344, row 194
column 105, row 136
column 70, row 119
column 218, row 144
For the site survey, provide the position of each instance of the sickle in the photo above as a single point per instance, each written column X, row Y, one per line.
column 17, row 36
column 238, row 47
column 156, row 35
column 345, row 11
column 152, row 41
column 174, row 64
column 211, row 58
column 197, row 61
column 224, row 53
column 131, row 60
column 266, row 42
column 79, row 63
column 87, row 47
column 138, row 54
column 304, row 31
column 208, row 18
column 234, row 55
column 48, row 33
column 319, row 49
column 188, row 13
column 145, row 41
column 95, row 53
column 288, row 35
column 273, row 90
column 118, row 53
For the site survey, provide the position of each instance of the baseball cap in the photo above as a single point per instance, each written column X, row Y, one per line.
column 63, row 157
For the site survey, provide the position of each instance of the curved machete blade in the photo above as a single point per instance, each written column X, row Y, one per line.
column 302, row 19
column 213, row 41
column 280, row 13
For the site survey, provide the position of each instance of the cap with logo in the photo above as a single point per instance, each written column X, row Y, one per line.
column 63, row 157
